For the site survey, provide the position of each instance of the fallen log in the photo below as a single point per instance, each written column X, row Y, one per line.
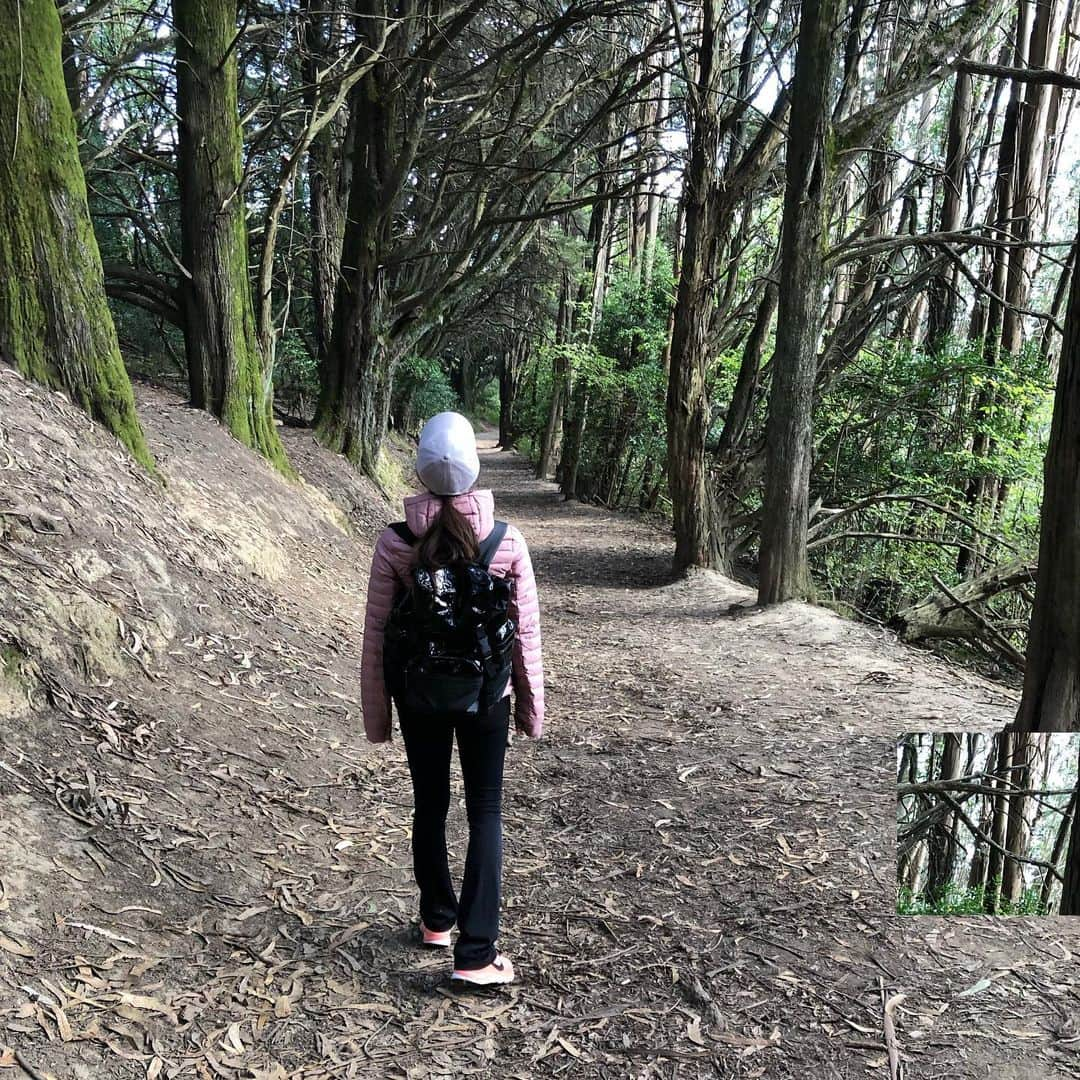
column 953, row 612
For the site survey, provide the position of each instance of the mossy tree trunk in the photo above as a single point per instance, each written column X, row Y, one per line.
column 352, row 414
column 55, row 324
column 785, row 569
column 363, row 347
column 227, row 371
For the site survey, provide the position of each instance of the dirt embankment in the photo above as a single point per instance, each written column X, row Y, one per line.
column 179, row 702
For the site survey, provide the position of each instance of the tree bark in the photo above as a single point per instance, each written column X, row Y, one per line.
column 1027, row 751
column 943, row 297
column 691, row 340
column 560, row 375
column 995, row 857
column 1060, row 839
column 1029, row 193
column 941, row 841
column 328, row 180
column 353, row 405
column 784, row 566
column 1070, row 889
column 511, row 364
column 1051, row 698
column 368, row 336
column 936, row 616
column 227, row 371
column 1000, row 216
column 55, row 325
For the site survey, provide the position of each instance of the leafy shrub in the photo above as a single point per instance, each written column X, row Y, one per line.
column 421, row 389
column 963, row 901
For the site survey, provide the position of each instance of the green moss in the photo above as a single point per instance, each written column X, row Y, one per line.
column 11, row 660
column 390, row 476
column 227, row 354
column 55, row 325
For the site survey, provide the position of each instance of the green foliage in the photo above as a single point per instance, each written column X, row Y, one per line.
column 962, row 901
column 620, row 374
column 11, row 660
column 901, row 420
column 421, row 389
column 296, row 376
column 486, row 409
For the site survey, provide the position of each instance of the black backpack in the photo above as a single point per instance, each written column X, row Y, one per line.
column 449, row 637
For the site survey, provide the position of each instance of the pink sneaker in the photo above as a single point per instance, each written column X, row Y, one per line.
column 438, row 939
column 499, row 971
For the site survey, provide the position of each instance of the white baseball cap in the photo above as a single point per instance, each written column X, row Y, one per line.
column 446, row 459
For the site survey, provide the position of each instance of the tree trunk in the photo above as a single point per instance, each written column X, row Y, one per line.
column 560, row 377
column 942, row 289
column 551, row 428
column 1001, row 217
column 691, row 338
column 1029, row 194
column 364, row 342
column 1060, row 838
column 511, row 363
column 1070, row 890
column 575, row 439
column 744, row 395
column 979, row 861
column 227, row 371
column 995, row 857
column 328, row 181
column 352, row 413
column 55, row 325
column 1027, row 749
column 784, row 566
column 1051, row 699
column 941, row 841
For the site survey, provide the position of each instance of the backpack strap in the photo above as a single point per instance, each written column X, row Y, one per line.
column 491, row 544
column 404, row 532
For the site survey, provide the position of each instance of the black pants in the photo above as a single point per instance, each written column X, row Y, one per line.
column 429, row 743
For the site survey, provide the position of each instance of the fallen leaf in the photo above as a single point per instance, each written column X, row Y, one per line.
column 977, row 988
column 12, row 946
column 569, row 1047
column 693, row 1031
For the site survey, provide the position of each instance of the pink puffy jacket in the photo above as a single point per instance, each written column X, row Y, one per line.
column 390, row 568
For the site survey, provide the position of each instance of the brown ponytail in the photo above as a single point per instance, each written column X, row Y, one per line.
column 449, row 539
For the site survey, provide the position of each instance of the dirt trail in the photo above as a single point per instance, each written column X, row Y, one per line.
column 698, row 856
column 726, row 779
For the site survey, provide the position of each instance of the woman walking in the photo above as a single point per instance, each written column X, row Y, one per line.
column 452, row 625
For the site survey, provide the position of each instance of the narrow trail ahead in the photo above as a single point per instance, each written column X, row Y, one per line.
column 705, row 846
column 205, row 870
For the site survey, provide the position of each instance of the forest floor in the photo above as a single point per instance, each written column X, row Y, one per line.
column 204, row 869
